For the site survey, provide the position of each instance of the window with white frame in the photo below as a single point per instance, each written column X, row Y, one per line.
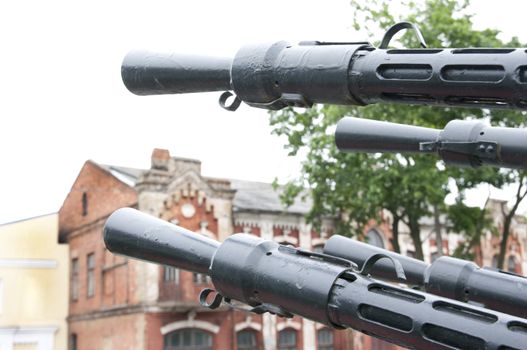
column 171, row 274
column 325, row 339
column 74, row 285
column 246, row 340
column 188, row 339
column 90, row 264
column 287, row 339
column 200, row 278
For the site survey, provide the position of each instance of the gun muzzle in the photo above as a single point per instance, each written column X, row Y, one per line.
column 461, row 142
column 149, row 73
column 365, row 135
column 133, row 233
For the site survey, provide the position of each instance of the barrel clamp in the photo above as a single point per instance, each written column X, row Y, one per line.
column 286, row 100
column 272, row 309
column 258, row 309
column 479, row 149
column 320, row 256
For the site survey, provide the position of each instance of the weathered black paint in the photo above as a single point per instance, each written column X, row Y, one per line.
column 150, row 73
column 280, row 74
column 133, row 233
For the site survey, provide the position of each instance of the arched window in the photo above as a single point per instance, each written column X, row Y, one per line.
column 287, row 339
column 511, row 264
column 188, row 339
column 246, row 340
column 325, row 339
column 373, row 237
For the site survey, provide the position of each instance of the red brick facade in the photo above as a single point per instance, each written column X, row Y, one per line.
column 93, row 196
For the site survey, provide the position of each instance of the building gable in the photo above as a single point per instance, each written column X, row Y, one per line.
column 95, row 194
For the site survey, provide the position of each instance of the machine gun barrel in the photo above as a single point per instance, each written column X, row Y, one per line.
column 283, row 280
column 149, row 73
column 461, row 142
column 137, row 235
column 447, row 276
column 280, row 74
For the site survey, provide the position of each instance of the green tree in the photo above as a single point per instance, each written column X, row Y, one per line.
column 354, row 188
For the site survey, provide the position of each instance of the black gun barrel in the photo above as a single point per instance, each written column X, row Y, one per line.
column 366, row 135
column 461, row 142
column 447, row 276
column 280, row 74
column 133, row 233
column 284, row 280
column 150, row 73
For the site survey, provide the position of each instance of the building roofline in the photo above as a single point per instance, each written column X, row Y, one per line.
column 29, row 218
column 107, row 171
column 197, row 161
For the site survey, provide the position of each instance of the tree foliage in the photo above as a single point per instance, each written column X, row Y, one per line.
column 354, row 188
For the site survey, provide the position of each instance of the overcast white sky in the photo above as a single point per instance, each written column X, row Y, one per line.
column 62, row 100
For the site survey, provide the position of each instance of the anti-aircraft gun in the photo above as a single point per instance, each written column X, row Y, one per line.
column 270, row 277
column 462, row 306
column 280, row 74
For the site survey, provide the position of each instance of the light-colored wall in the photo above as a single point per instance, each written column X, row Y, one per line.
column 34, row 274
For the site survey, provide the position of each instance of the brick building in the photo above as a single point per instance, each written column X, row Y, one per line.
column 120, row 303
